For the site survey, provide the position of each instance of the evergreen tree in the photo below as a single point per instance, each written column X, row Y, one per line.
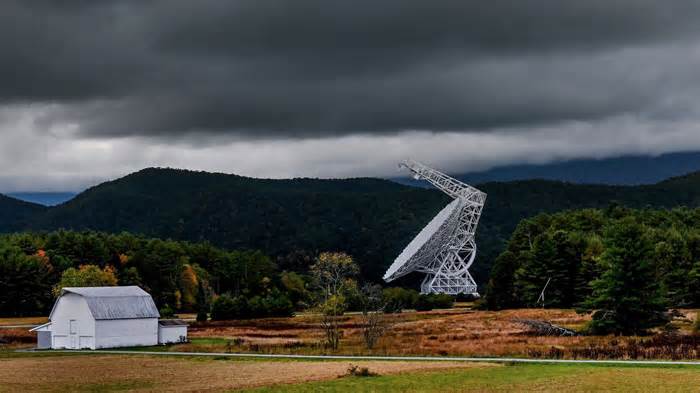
column 202, row 303
column 673, row 266
column 626, row 299
column 590, row 268
column 500, row 291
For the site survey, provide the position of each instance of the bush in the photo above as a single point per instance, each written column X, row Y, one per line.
column 396, row 299
column 227, row 307
column 167, row 312
column 334, row 306
column 276, row 304
column 202, row 315
column 357, row 371
column 433, row 301
column 256, row 308
column 442, row 300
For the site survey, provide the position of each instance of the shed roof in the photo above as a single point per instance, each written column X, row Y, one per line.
column 41, row 328
column 127, row 302
column 172, row 322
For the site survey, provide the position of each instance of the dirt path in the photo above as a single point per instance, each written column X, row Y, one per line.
column 147, row 373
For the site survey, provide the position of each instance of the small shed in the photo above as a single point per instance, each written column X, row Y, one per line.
column 43, row 335
column 172, row 331
column 101, row 317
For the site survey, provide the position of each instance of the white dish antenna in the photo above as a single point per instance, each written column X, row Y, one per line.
column 445, row 248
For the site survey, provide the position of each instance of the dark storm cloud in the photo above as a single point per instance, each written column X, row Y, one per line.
column 262, row 68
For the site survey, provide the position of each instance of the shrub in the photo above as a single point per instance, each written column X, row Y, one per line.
column 256, row 308
column 433, row 301
column 357, row 371
column 276, row 304
column 202, row 315
column 442, row 300
column 227, row 307
column 334, row 306
column 396, row 299
column 167, row 312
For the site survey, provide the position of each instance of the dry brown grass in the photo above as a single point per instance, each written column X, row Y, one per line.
column 143, row 373
column 453, row 332
column 446, row 332
column 23, row 321
column 17, row 336
column 458, row 331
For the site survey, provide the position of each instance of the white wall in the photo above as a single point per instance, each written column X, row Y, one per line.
column 171, row 334
column 72, row 307
column 126, row 332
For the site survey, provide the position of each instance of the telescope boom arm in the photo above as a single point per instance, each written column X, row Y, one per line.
column 448, row 185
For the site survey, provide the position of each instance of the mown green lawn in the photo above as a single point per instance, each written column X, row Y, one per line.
column 560, row 378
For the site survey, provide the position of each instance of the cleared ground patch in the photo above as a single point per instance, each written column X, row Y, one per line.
column 164, row 374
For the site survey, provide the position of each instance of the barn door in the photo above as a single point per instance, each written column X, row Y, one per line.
column 73, row 334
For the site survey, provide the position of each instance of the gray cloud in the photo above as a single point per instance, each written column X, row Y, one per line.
column 308, row 69
column 94, row 90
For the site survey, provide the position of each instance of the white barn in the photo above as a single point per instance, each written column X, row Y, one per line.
column 102, row 317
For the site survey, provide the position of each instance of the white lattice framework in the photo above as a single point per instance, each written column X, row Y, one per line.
column 445, row 248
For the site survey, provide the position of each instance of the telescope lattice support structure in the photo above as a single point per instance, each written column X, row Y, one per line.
column 447, row 260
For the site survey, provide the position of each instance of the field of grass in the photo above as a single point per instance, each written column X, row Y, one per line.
column 454, row 332
column 516, row 378
column 93, row 371
column 100, row 372
column 457, row 331
column 23, row 321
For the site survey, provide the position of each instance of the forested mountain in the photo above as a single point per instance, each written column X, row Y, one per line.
column 15, row 214
column 625, row 170
column 292, row 220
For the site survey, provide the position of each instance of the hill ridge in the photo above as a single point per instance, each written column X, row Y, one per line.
column 372, row 219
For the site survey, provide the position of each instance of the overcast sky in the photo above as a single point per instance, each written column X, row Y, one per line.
column 93, row 90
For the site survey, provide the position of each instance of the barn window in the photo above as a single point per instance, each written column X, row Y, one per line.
column 73, row 326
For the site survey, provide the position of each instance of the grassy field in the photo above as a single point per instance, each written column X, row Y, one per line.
column 23, row 321
column 516, row 378
column 92, row 372
column 99, row 372
column 458, row 332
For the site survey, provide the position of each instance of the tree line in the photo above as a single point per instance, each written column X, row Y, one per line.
column 626, row 266
column 182, row 276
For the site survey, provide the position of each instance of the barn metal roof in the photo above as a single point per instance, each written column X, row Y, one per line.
column 127, row 302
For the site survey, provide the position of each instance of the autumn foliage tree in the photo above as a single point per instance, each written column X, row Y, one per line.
column 25, row 287
column 86, row 276
column 332, row 272
column 189, row 285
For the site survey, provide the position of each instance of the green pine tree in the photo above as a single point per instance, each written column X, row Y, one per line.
column 500, row 291
column 626, row 299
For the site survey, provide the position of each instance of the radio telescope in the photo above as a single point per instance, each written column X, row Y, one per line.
column 445, row 248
